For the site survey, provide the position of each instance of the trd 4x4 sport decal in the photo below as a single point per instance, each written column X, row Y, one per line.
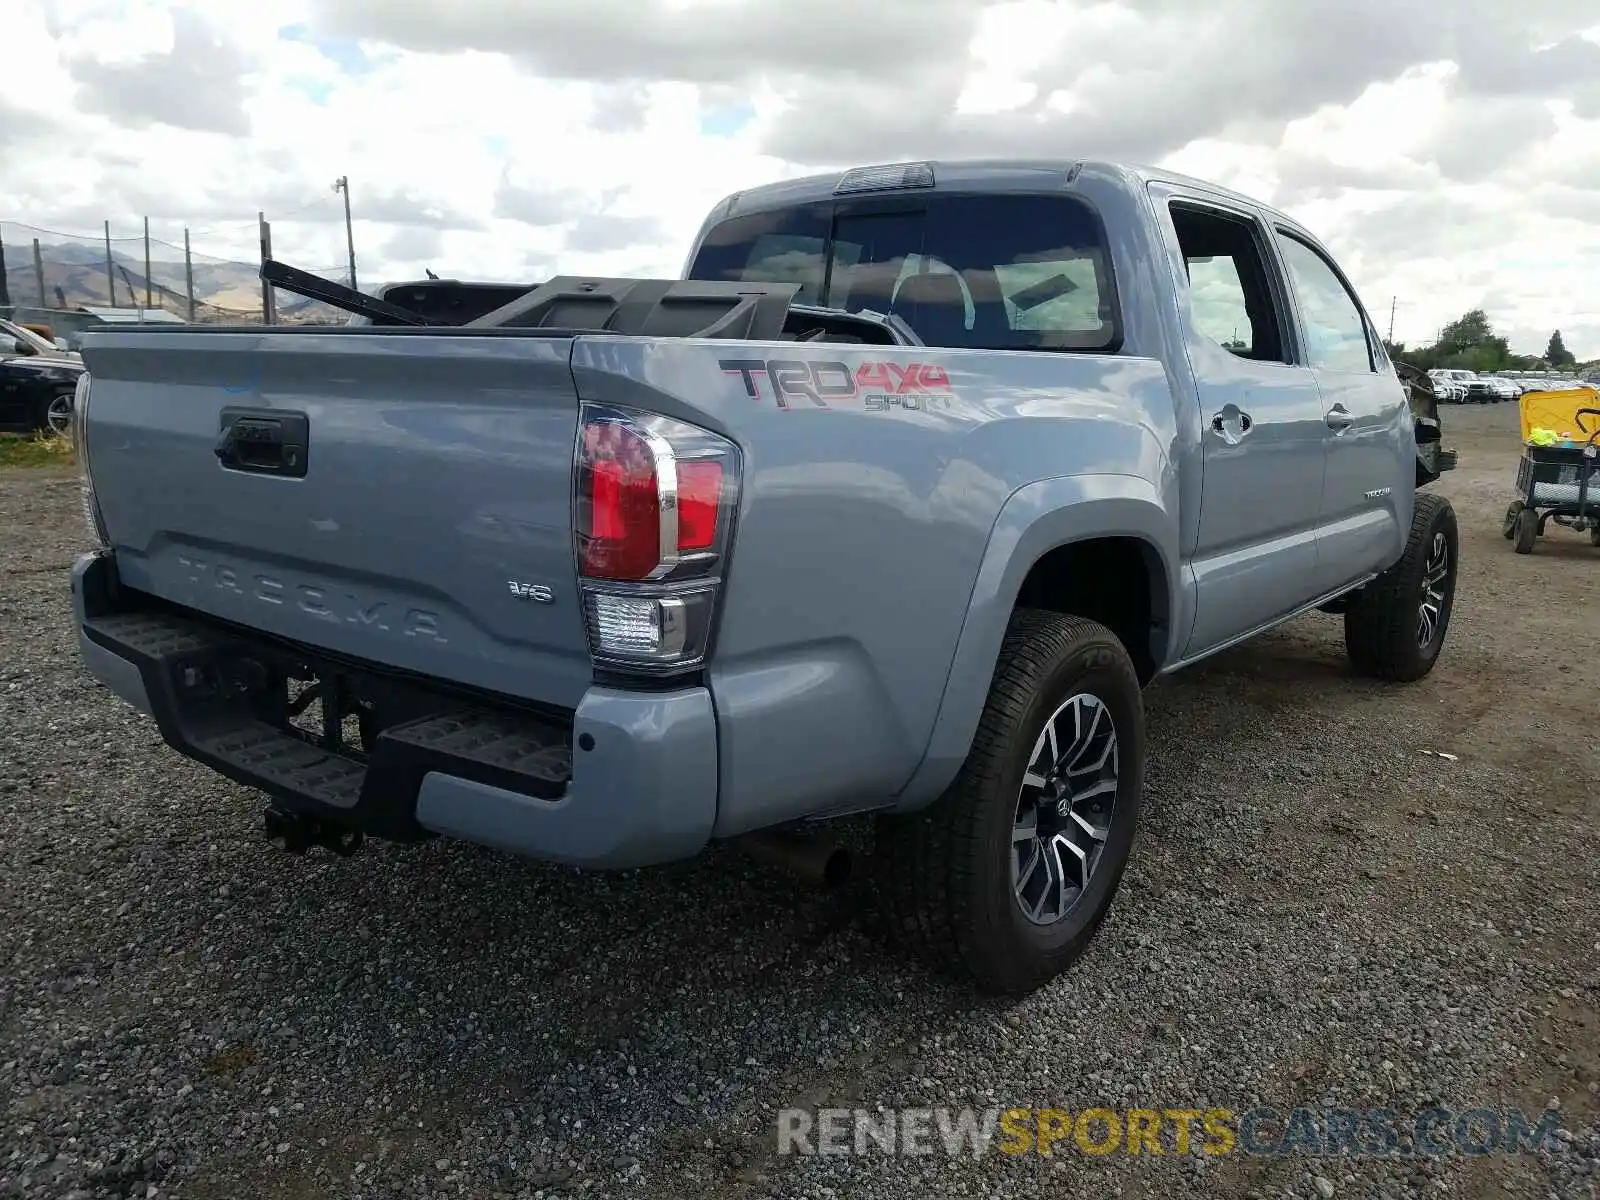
column 878, row 386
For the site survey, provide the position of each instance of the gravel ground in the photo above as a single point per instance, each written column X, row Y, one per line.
column 1320, row 913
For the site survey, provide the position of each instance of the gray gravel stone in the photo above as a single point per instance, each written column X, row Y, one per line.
column 1318, row 915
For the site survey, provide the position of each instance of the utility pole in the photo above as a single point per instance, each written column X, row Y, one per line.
column 1393, row 301
column 111, row 278
column 149, row 295
column 38, row 273
column 342, row 184
column 269, row 308
column 188, row 273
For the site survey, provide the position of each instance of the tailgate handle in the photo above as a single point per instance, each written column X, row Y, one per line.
column 264, row 441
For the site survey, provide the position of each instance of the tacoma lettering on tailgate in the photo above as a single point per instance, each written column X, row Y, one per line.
column 315, row 600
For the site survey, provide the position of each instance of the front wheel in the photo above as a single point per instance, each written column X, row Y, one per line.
column 1005, row 879
column 1508, row 527
column 1395, row 626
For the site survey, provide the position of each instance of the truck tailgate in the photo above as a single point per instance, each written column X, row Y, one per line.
column 425, row 524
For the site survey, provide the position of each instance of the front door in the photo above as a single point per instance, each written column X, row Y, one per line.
column 1367, row 487
column 1261, row 427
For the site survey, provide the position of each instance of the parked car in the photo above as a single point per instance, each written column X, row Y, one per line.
column 1446, row 387
column 1504, row 388
column 1479, row 388
column 37, row 380
column 892, row 506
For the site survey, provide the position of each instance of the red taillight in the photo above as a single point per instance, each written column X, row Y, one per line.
column 619, row 499
column 699, row 501
column 621, row 539
column 653, row 510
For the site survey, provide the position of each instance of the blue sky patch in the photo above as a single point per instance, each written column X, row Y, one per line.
column 315, row 90
column 725, row 121
column 345, row 53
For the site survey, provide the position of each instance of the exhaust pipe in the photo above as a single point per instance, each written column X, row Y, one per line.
column 815, row 860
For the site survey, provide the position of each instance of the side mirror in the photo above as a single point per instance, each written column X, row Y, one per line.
column 61, row 344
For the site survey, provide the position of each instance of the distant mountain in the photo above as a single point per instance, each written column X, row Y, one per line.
column 223, row 292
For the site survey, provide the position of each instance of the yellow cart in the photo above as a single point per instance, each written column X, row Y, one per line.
column 1558, row 477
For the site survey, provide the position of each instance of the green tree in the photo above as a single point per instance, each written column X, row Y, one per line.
column 1466, row 332
column 1557, row 354
column 1470, row 342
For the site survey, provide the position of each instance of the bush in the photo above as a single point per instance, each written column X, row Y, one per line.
column 36, row 450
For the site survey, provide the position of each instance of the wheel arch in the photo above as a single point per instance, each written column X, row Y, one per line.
column 1056, row 545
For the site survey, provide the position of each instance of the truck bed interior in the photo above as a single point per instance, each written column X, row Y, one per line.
column 572, row 304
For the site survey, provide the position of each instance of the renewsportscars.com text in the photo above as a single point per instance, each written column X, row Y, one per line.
column 974, row 1132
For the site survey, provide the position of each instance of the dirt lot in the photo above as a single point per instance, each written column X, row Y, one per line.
column 1321, row 914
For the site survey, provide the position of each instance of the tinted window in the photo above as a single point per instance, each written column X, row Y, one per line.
column 784, row 246
column 1336, row 332
column 1220, row 311
column 986, row 271
column 27, row 341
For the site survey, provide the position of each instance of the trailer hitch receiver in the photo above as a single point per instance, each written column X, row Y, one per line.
column 296, row 833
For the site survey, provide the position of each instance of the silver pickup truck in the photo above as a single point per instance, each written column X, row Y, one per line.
column 892, row 505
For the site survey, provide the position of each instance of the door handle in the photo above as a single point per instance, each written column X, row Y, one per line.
column 263, row 442
column 1232, row 423
column 1339, row 418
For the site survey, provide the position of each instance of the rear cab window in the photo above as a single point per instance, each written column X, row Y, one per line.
column 996, row 271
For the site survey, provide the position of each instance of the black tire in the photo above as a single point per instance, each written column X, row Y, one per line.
column 1594, row 534
column 1527, row 531
column 1508, row 527
column 1383, row 626
column 946, row 871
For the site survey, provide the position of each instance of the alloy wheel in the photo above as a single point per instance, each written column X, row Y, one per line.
column 58, row 415
column 1435, row 577
column 1064, row 809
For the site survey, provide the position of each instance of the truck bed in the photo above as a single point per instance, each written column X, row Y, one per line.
column 413, row 520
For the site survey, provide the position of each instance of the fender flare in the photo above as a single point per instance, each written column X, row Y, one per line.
column 1036, row 519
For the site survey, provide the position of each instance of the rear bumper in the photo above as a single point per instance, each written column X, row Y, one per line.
column 629, row 779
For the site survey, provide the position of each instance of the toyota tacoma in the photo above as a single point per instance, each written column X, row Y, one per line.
column 892, row 505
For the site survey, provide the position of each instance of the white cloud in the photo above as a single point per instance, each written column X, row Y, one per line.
column 1450, row 160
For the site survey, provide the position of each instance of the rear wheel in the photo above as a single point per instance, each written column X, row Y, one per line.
column 1527, row 531
column 1594, row 535
column 1005, row 879
column 1396, row 625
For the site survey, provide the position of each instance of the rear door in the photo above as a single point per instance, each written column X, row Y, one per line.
column 1261, row 416
column 1367, row 484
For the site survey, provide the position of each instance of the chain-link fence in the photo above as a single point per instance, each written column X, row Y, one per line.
column 126, row 267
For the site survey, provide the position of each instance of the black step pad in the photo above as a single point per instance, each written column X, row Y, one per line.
column 155, row 635
column 504, row 743
column 283, row 759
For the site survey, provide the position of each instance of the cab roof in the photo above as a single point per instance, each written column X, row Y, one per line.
column 986, row 174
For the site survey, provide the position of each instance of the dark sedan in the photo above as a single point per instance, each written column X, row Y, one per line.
column 37, row 381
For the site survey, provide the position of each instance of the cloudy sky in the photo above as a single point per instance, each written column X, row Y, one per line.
column 1448, row 150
